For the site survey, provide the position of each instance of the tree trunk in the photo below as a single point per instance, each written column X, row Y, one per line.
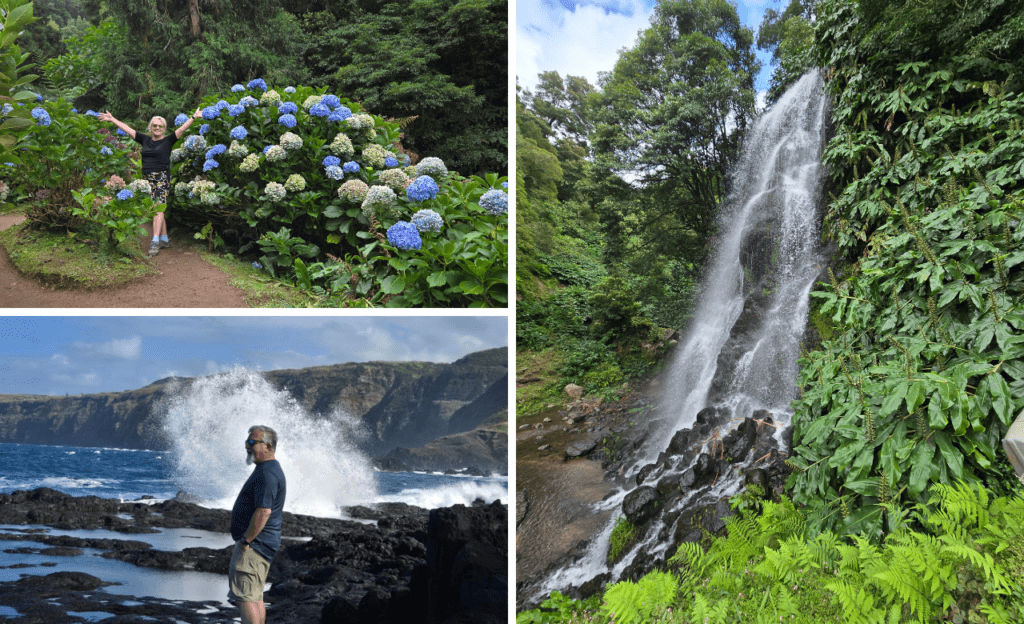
column 193, row 9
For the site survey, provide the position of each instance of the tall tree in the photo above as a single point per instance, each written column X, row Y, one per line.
column 159, row 57
column 442, row 62
column 567, row 105
column 788, row 36
column 674, row 112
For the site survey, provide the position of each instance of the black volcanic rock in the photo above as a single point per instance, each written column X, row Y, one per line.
column 445, row 565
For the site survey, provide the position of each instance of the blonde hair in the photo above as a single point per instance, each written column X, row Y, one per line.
column 150, row 127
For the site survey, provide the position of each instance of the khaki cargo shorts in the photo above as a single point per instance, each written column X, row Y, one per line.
column 247, row 575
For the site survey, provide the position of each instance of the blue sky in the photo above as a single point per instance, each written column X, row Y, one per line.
column 85, row 354
column 581, row 38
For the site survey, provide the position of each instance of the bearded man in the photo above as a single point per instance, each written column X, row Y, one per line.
column 256, row 525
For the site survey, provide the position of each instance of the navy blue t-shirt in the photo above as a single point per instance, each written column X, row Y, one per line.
column 265, row 488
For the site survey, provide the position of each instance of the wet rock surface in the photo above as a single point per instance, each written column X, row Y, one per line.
column 409, row 564
column 671, row 500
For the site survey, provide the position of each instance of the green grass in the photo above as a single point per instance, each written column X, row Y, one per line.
column 73, row 260
column 261, row 290
column 535, row 396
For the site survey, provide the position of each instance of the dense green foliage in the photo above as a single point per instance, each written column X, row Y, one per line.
column 15, row 117
column 443, row 65
column 926, row 369
column 417, row 62
column 962, row 564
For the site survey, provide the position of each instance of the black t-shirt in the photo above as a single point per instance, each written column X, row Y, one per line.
column 156, row 154
column 266, row 487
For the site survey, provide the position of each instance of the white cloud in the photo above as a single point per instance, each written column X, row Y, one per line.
column 582, row 42
column 124, row 348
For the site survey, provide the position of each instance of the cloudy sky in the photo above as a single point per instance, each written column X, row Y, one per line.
column 85, row 354
column 583, row 37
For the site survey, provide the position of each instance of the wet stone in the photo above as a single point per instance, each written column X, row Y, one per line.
column 641, row 505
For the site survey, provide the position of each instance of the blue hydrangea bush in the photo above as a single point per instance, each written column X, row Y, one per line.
column 320, row 191
column 66, row 155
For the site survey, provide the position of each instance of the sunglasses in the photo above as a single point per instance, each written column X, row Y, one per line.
column 251, row 442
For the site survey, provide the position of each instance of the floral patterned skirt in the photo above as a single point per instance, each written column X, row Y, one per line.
column 161, row 183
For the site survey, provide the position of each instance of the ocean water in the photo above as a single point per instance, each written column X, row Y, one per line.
column 128, row 474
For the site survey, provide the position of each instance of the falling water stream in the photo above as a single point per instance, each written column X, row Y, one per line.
column 740, row 349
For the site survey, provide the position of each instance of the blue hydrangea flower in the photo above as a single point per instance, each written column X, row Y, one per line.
column 41, row 116
column 266, row 148
column 256, row 265
column 289, row 89
column 331, row 161
column 106, row 151
column 216, row 150
column 180, row 119
column 258, row 83
column 427, row 220
column 287, row 108
column 239, row 132
column 249, row 101
column 319, row 110
column 39, row 98
column 211, row 112
column 74, row 110
column 330, row 100
column 422, row 189
column 236, row 88
column 495, row 202
column 287, row 121
column 92, row 113
column 390, row 161
column 210, row 164
column 222, row 104
column 404, row 235
column 203, row 129
column 125, row 194
column 504, row 184
column 334, row 172
column 351, row 167
column 339, row 115
column 6, row 109
column 121, row 132
column 235, row 109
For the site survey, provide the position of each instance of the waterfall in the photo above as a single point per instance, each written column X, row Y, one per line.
column 739, row 352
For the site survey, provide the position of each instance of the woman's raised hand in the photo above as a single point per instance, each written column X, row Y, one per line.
column 105, row 116
column 198, row 113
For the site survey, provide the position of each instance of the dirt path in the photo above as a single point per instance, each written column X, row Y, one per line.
column 185, row 281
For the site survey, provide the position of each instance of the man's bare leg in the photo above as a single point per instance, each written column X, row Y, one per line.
column 253, row 612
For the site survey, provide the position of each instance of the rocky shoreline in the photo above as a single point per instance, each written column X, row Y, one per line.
column 393, row 563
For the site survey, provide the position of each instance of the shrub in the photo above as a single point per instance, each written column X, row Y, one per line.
column 72, row 156
column 325, row 191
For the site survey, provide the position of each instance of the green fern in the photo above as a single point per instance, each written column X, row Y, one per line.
column 627, row 602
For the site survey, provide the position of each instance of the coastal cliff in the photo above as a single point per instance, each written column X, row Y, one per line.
column 399, row 404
